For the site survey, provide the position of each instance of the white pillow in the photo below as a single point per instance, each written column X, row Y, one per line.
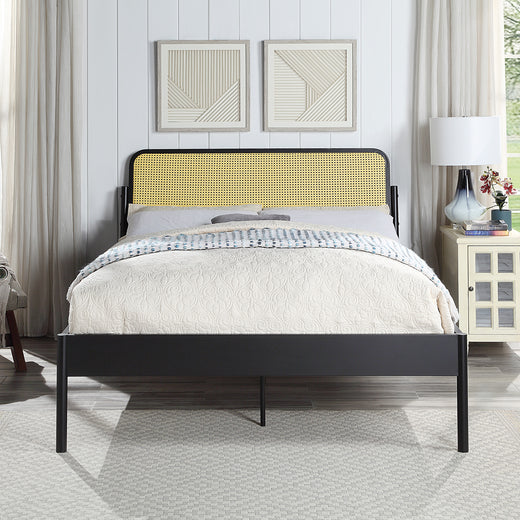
column 367, row 219
column 145, row 220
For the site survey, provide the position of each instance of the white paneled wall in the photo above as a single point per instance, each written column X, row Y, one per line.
column 102, row 124
column 121, row 83
column 345, row 23
column 254, row 26
column 163, row 18
column 132, row 86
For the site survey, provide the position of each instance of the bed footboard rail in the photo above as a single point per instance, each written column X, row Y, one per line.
column 263, row 356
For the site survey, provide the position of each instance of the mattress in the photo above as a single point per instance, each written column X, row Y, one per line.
column 259, row 290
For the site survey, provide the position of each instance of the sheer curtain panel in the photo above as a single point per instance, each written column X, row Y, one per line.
column 8, row 25
column 458, row 72
column 41, row 156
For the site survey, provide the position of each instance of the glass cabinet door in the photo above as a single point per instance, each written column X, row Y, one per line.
column 494, row 290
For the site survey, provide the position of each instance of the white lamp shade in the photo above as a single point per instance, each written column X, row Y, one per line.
column 464, row 141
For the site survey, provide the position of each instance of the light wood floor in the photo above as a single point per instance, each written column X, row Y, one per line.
column 494, row 382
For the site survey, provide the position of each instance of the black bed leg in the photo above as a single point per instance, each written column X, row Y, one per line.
column 262, row 400
column 462, row 396
column 61, row 398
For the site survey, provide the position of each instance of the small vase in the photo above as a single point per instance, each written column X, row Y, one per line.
column 503, row 214
column 464, row 205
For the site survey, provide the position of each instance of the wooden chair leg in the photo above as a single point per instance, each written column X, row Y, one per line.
column 16, row 347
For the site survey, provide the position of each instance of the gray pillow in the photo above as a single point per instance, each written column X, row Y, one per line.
column 234, row 217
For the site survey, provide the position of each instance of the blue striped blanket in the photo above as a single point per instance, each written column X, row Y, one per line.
column 290, row 238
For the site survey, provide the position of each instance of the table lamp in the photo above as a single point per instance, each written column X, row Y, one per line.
column 464, row 141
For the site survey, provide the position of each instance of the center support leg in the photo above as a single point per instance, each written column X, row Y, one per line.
column 262, row 400
column 61, row 398
column 462, row 396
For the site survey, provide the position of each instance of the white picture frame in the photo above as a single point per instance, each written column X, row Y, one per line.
column 310, row 85
column 202, row 85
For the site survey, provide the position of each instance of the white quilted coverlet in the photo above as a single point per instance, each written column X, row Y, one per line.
column 264, row 291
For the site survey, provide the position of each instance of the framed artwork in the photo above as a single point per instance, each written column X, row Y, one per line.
column 310, row 85
column 202, row 85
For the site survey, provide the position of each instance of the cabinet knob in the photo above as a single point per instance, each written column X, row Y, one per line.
column 471, row 288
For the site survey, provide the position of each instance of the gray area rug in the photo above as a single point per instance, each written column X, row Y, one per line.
column 219, row 464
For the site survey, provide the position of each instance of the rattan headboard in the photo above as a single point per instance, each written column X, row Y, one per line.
column 271, row 177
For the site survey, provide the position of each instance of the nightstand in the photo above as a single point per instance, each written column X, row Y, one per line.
column 482, row 274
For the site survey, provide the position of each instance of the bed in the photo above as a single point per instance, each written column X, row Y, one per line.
column 255, row 333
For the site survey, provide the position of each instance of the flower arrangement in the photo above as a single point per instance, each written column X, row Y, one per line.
column 491, row 179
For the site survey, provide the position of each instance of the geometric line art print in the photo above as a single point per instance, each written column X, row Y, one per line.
column 330, row 106
column 319, row 69
column 290, row 97
column 203, row 75
column 186, row 115
column 177, row 98
column 202, row 85
column 224, row 109
column 310, row 85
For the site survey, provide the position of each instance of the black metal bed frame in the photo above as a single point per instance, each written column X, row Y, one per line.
column 262, row 355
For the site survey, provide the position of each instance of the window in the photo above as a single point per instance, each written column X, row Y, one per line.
column 512, row 55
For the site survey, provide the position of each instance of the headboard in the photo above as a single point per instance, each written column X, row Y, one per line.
column 271, row 177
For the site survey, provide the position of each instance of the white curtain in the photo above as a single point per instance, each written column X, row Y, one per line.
column 7, row 89
column 41, row 156
column 459, row 71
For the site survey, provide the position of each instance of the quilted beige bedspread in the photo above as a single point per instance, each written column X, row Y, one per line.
column 259, row 291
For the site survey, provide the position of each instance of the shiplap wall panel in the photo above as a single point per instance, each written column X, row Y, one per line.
column 314, row 19
column 193, row 25
column 224, row 24
column 315, row 25
column 284, row 24
column 385, row 32
column 403, row 16
column 102, row 127
column 80, row 37
column 376, row 72
column 132, row 88
column 254, row 26
column 162, row 25
column 345, row 23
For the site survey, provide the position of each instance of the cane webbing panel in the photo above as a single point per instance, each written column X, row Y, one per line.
column 270, row 179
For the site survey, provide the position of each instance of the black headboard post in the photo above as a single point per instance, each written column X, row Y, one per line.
column 394, row 206
column 123, row 209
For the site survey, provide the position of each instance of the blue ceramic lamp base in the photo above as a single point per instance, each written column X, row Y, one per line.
column 464, row 205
